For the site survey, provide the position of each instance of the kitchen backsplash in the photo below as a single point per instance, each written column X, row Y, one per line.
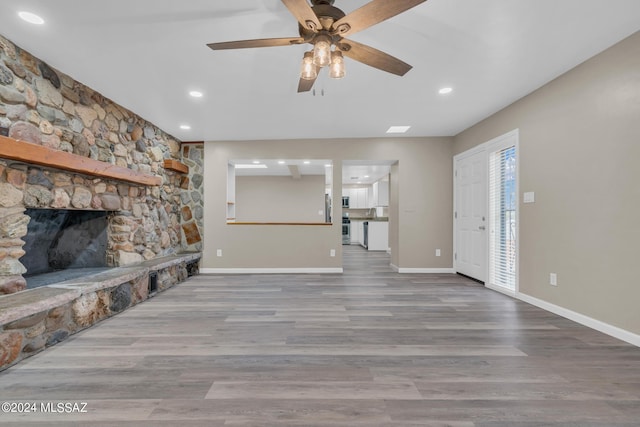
column 371, row 213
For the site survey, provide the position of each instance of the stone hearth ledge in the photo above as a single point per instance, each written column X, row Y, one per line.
column 32, row 301
column 26, row 303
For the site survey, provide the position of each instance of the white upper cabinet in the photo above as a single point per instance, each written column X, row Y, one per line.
column 379, row 194
column 362, row 198
column 358, row 197
column 383, row 193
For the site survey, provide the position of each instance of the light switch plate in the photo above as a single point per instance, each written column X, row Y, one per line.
column 529, row 197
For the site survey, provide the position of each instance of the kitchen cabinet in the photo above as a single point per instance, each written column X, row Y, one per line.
column 379, row 194
column 383, row 193
column 362, row 198
column 358, row 197
column 378, row 236
column 356, row 232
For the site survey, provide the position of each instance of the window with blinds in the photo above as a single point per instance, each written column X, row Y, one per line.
column 502, row 218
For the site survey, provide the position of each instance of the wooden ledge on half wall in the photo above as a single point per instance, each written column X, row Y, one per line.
column 30, row 153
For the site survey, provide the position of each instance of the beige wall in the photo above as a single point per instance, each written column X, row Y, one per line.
column 420, row 221
column 580, row 154
column 280, row 198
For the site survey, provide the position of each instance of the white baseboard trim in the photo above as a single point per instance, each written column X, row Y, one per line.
column 603, row 327
column 422, row 270
column 270, row 270
column 508, row 292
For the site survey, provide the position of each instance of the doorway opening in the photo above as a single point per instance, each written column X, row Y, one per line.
column 366, row 189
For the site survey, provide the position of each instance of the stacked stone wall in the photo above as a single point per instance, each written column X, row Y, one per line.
column 44, row 106
column 193, row 196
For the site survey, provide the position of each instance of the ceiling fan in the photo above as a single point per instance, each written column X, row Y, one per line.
column 323, row 26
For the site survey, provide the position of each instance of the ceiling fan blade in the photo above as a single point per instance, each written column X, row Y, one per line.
column 373, row 57
column 242, row 44
column 304, row 14
column 306, row 85
column 372, row 13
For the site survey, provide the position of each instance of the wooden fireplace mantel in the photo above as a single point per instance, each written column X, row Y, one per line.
column 27, row 152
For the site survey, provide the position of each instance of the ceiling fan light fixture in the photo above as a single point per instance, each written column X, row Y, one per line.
column 308, row 70
column 325, row 26
column 336, row 69
column 322, row 51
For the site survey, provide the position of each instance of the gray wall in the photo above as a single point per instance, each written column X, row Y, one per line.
column 579, row 153
column 420, row 221
column 280, row 198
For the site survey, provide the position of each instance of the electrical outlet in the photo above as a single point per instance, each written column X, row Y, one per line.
column 332, row 252
column 553, row 279
column 438, row 253
column 219, row 252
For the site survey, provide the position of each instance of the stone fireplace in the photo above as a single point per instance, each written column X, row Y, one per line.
column 65, row 149
column 85, row 184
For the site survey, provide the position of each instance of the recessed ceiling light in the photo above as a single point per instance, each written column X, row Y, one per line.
column 327, row 166
column 281, row 162
column 445, row 90
column 31, row 18
column 196, row 94
column 185, row 127
column 398, row 129
column 366, row 176
column 256, row 162
column 307, row 162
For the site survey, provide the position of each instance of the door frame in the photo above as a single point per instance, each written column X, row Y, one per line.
column 486, row 147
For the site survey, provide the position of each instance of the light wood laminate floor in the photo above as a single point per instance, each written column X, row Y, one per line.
column 366, row 348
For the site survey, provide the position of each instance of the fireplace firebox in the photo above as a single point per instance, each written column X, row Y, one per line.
column 64, row 240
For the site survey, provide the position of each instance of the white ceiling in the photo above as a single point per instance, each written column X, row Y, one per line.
column 148, row 54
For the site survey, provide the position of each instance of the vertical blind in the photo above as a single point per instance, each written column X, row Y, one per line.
column 502, row 217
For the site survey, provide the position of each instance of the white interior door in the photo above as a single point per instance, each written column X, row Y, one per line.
column 470, row 214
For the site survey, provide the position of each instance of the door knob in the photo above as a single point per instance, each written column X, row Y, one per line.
column 482, row 227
